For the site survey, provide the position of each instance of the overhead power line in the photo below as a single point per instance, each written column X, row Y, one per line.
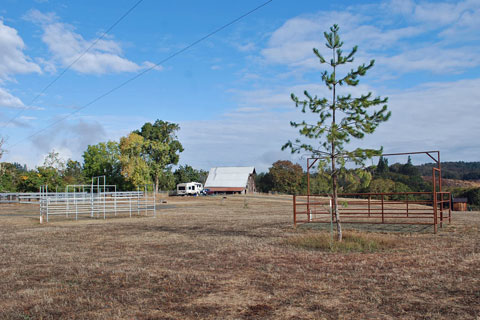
column 72, row 63
column 138, row 75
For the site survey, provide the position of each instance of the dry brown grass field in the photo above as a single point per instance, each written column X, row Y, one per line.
column 208, row 258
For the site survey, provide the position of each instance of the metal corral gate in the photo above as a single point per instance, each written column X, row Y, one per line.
column 96, row 204
column 420, row 208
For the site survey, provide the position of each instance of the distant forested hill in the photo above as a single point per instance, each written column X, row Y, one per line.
column 454, row 170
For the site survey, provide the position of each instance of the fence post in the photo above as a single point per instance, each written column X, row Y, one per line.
column 434, row 195
column 104, row 199
column 383, row 218
column 46, row 194
column 41, row 203
column 449, row 208
column 434, row 211
column 115, row 200
column 138, row 200
column 441, row 209
column 407, row 203
column 68, row 200
column 91, row 202
column 295, row 211
column 76, row 205
column 369, row 198
column 146, row 201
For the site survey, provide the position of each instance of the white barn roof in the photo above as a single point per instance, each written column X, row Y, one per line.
column 229, row 177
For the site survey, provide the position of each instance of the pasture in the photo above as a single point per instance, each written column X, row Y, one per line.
column 214, row 258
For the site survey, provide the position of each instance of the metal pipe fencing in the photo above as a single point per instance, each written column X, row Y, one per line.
column 418, row 208
column 29, row 197
column 95, row 202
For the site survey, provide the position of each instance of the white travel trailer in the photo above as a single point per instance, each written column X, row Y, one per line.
column 189, row 188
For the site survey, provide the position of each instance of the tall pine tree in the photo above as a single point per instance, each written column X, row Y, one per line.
column 340, row 118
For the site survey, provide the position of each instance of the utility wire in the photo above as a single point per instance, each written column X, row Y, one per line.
column 72, row 63
column 144, row 71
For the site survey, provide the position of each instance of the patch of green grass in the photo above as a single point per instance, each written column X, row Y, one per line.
column 352, row 242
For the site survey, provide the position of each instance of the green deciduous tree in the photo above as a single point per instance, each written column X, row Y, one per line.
column 10, row 177
column 31, row 181
column 104, row 159
column 264, row 182
column 133, row 159
column 162, row 148
column 73, row 173
column 167, row 180
column 340, row 118
column 382, row 185
column 286, row 177
column 187, row 173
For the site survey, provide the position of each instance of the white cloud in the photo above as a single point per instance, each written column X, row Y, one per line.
column 433, row 116
column 434, row 59
column 398, row 47
column 72, row 135
column 280, row 98
column 12, row 59
column 154, row 66
column 445, row 13
column 27, row 118
column 248, row 109
column 69, row 138
column 249, row 46
column 66, row 46
column 292, row 43
column 8, row 100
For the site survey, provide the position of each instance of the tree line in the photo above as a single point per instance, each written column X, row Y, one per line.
column 287, row 177
column 455, row 170
column 143, row 157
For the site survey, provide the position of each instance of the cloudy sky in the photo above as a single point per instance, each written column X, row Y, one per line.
column 231, row 93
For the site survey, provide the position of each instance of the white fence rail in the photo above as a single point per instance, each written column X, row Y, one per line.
column 97, row 205
column 31, row 197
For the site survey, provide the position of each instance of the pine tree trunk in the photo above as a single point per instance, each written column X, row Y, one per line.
column 334, row 156
column 335, row 206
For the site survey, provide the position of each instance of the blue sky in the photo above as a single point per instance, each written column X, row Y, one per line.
column 230, row 93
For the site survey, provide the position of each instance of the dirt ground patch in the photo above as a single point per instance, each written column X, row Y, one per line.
column 208, row 258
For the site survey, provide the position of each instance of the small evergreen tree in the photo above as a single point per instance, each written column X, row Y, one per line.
column 382, row 166
column 341, row 118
